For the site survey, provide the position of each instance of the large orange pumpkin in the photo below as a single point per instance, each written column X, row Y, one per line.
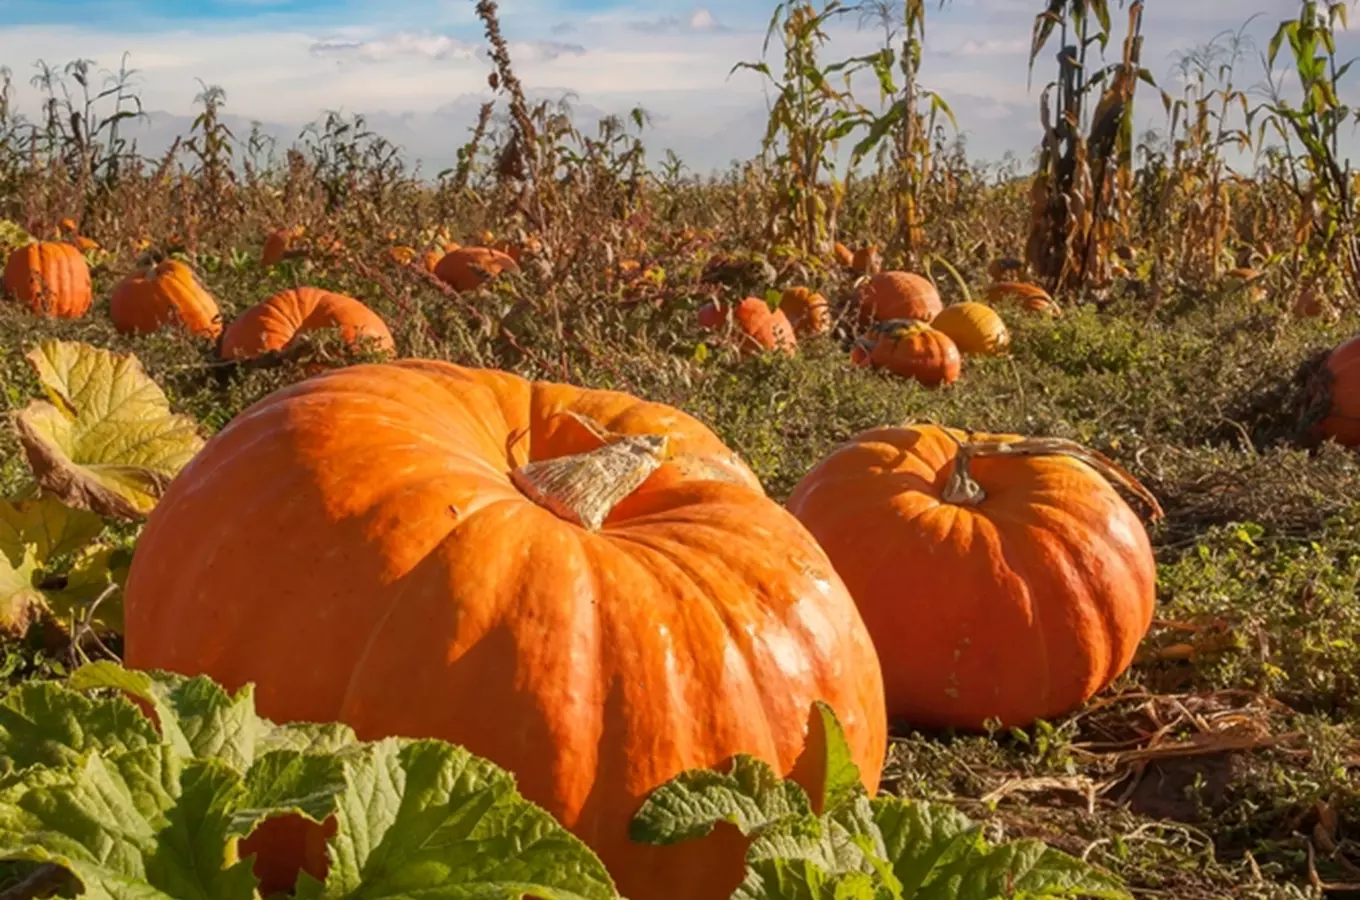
column 289, row 314
column 1339, row 384
column 1001, row 577
column 51, row 278
column 917, row 351
column 974, row 327
column 898, row 295
column 468, row 268
column 169, row 292
column 423, row 549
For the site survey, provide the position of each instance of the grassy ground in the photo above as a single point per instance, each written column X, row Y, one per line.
column 1226, row 763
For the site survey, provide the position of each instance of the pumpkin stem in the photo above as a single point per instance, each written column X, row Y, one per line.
column 931, row 259
column 963, row 489
column 585, row 487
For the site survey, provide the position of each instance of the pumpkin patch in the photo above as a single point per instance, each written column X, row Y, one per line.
column 532, row 487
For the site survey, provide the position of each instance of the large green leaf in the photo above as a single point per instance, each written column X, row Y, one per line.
column 141, row 812
column 427, row 819
column 105, row 440
column 199, row 718
column 141, row 823
column 751, row 796
column 42, row 723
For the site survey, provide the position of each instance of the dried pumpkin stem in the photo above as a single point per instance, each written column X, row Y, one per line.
column 585, row 487
column 962, row 488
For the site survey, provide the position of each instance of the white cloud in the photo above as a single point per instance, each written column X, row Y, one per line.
column 425, row 81
column 435, row 47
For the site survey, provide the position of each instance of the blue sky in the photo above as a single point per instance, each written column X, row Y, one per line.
column 415, row 68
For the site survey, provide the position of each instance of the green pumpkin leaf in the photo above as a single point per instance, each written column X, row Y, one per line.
column 424, row 818
column 141, row 824
column 1022, row 869
column 921, row 839
column 33, row 534
column 937, row 853
column 841, row 782
column 412, row 816
column 105, row 440
column 200, row 719
column 826, row 844
column 751, row 796
column 801, row 879
column 42, row 724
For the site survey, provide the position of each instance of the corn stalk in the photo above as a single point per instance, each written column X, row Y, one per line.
column 1079, row 196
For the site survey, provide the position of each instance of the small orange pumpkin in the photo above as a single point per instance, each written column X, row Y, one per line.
column 148, row 301
column 1030, row 297
column 468, row 268
column 760, row 327
column 888, row 296
column 997, row 585
column 844, row 255
column 51, row 278
column 401, row 255
column 278, row 244
column 915, row 350
column 291, row 314
column 974, row 327
column 1309, row 303
column 807, row 311
column 866, row 261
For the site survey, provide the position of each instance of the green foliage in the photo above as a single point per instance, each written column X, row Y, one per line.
column 886, row 848
column 92, row 786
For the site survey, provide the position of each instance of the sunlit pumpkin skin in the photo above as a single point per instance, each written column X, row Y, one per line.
column 758, row 327
column 372, row 510
column 898, row 295
column 763, row 328
column 273, row 324
column 917, row 351
column 1031, row 297
column 169, row 293
column 975, row 328
column 51, row 278
column 1341, row 378
column 807, row 311
column 468, row 268
column 1017, row 606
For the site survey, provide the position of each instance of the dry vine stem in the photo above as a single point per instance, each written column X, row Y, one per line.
column 585, row 487
column 961, row 487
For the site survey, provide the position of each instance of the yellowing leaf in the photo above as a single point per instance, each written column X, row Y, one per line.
column 107, row 441
column 32, row 534
column 12, row 235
